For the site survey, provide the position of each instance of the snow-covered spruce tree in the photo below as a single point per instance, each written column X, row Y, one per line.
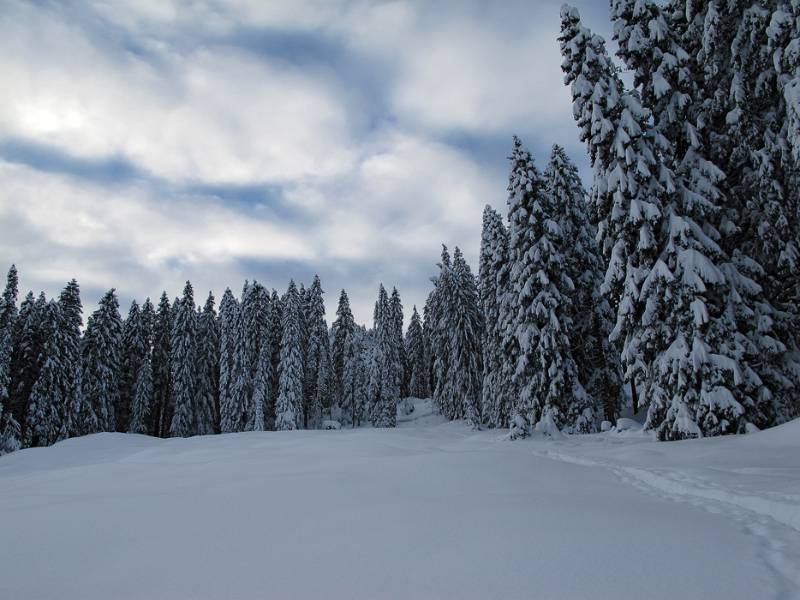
column 72, row 408
column 100, row 368
column 275, row 336
column 183, row 361
column 26, row 353
column 162, row 335
column 142, row 400
column 9, row 427
column 496, row 397
column 415, row 355
column 398, row 348
column 316, row 363
column 591, row 315
column 207, row 370
column 135, row 346
column 626, row 194
column 353, row 381
column 289, row 404
column 437, row 310
column 542, row 302
column 342, row 328
column 383, row 388
column 229, row 414
column 42, row 417
column 240, row 385
column 466, row 334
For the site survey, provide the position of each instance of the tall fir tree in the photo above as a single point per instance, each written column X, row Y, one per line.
column 207, row 370
column 42, row 414
column 100, row 365
column 342, row 328
column 26, row 353
column 496, row 396
column 289, row 405
column 9, row 427
column 183, row 361
column 230, row 415
column 142, row 400
column 597, row 360
column 384, row 385
column 135, row 346
column 316, row 364
column 73, row 408
column 415, row 355
column 162, row 388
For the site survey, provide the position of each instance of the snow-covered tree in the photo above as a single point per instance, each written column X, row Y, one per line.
column 73, row 408
column 541, row 293
column 162, row 389
column 9, row 427
column 342, row 328
column 596, row 359
column 42, row 418
column 100, row 365
column 142, row 400
column 316, row 363
column 415, row 356
column 207, row 370
column 230, row 414
column 496, row 393
column 26, row 353
column 183, row 361
column 354, row 377
column 384, row 384
column 436, row 311
column 135, row 346
column 465, row 324
column 289, row 404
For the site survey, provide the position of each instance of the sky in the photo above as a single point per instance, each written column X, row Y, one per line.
column 146, row 143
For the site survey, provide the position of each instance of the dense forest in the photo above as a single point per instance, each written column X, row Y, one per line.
column 670, row 287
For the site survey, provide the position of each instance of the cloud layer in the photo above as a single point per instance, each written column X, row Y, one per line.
column 145, row 143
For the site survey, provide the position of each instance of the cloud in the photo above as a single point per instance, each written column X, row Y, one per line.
column 144, row 143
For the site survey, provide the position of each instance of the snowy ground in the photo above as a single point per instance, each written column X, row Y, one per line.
column 428, row 510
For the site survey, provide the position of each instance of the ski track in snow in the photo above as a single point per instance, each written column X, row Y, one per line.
column 771, row 517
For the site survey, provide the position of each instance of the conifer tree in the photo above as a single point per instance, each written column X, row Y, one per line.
column 142, row 397
column 384, row 389
column 72, row 409
column 9, row 427
column 415, row 355
column 42, row 418
column 135, row 346
column 465, row 324
column 316, row 355
column 496, row 396
column 343, row 328
column 289, row 405
column 275, row 336
column 26, row 353
column 437, row 309
column 100, row 365
column 229, row 413
column 353, row 382
column 207, row 369
column 398, row 348
column 162, row 390
column 183, row 361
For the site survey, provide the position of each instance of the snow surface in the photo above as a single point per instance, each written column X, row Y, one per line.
column 427, row 510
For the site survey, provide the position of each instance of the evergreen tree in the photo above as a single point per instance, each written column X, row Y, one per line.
column 437, row 309
column 229, row 413
column 383, row 390
column 183, row 361
column 343, row 328
column 596, row 359
column 42, row 416
column 398, row 348
column 207, row 370
column 26, row 353
column 9, row 427
column 275, row 336
column 142, row 397
column 496, row 396
column 316, row 362
column 465, row 324
column 100, row 365
column 162, row 334
column 135, row 346
column 415, row 355
column 289, row 405
column 353, row 382
column 72, row 410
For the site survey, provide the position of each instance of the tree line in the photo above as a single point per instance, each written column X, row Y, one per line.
column 671, row 286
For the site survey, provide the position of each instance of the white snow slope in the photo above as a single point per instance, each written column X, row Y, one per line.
column 427, row 510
